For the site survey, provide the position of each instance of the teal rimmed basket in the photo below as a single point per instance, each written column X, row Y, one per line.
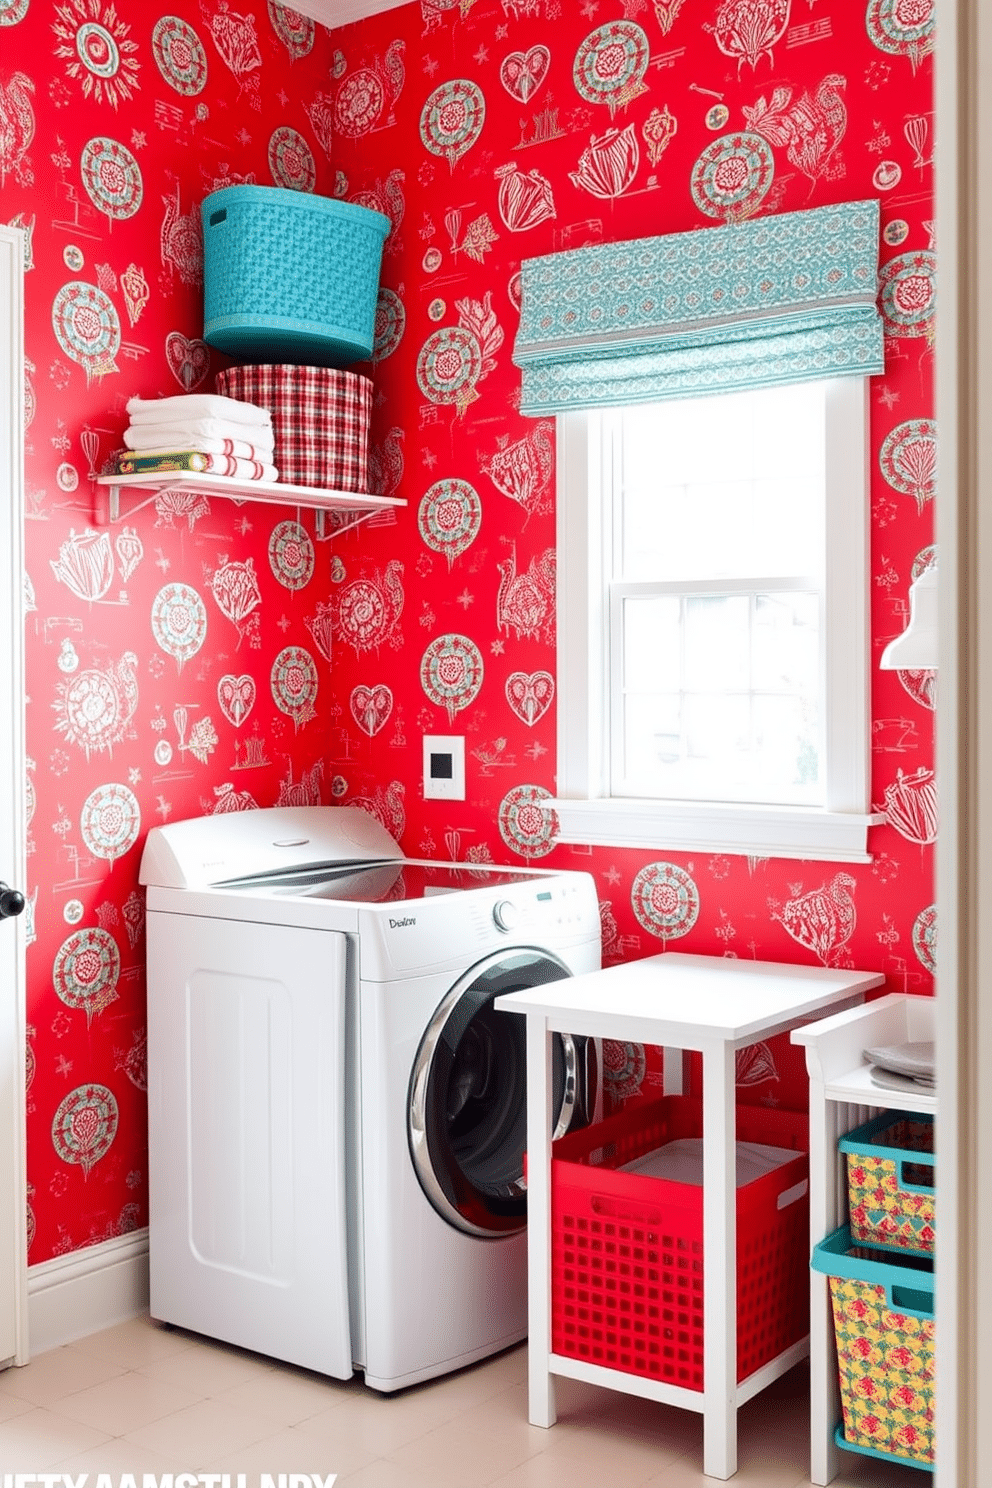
column 290, row 277
column 883, row 1311
column 890, row 1182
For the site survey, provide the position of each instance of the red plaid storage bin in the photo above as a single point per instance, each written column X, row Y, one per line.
column 320, row 419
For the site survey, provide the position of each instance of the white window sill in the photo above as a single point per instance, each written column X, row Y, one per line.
column 753, row 831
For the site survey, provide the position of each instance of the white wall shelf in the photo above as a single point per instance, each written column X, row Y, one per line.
column 107, row 506
column 842, row 1095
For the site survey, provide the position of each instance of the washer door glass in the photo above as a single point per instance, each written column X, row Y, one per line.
column 468, row 1096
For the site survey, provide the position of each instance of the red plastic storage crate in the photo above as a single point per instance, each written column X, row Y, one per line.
column 627, row 1250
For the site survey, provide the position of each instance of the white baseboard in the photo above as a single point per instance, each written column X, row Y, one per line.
column 87, row 1290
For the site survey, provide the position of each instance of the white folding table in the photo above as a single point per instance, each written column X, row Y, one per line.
column 713, row 1005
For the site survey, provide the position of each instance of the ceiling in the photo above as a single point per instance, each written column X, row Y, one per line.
column 341, row 12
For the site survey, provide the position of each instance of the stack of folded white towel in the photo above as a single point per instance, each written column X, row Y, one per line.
column 202, row 432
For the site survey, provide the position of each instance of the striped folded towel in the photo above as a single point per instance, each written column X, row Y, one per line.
column 188, row 406
column 198, row 462
column 155, row 439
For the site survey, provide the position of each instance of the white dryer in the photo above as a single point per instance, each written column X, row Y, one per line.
column 336, row 1112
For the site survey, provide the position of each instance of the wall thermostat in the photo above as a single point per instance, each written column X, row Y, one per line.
column 444, row 767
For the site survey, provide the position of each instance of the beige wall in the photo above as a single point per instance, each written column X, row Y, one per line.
column 964, row 355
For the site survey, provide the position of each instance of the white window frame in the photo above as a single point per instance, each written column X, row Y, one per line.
column 586, row 812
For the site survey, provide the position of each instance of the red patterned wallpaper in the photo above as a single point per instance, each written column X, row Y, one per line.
column 159, row 648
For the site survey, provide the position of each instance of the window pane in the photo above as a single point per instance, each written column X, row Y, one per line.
column 788, row 513
column 718, row 729
column 724, row 487
column 785, row 743
column 742, row 721
column 652, row 644
column 787, row 427
column 717, row 642
column 786, row 643
column 653, row 730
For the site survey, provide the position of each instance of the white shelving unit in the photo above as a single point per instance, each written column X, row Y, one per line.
column 277, row 493
column 842, row 1095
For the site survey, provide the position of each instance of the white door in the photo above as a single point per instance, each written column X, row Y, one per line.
column 13, row 1260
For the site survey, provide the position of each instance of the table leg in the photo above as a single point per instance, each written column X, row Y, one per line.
column 719, row 1262
column 828, row 1120
column 673, row 1071
column 822, row 1219
column 541, row 1384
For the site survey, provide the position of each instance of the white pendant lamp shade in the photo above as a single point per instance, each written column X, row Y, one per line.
column 916, row 649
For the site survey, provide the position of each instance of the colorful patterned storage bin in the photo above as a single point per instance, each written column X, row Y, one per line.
column 890, row 1178
column 884, row 1325
column 290, row 277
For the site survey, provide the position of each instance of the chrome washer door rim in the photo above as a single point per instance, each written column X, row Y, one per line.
column 420, row 1092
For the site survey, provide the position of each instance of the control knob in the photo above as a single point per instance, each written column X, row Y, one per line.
column 11, row 902
column 506, row 915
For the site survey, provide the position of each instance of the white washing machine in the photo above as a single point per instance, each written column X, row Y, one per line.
column 336, row 1112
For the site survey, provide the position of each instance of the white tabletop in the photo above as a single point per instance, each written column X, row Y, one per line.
column 688, row 1001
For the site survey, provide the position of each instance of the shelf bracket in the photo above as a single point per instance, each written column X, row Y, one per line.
column 322, row 533
column 107, row 504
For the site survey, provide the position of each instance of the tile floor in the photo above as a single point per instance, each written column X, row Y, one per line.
column 142, row 1397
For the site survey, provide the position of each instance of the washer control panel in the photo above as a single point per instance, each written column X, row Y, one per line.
column 410, row 935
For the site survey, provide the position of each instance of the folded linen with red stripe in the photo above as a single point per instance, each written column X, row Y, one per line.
column 130, row 463
column 186, row 407
column 152, row 439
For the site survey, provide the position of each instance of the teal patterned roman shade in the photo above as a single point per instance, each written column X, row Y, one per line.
column 784, row 298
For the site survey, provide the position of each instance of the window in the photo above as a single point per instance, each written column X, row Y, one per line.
column 712, row 635
column 713, row 670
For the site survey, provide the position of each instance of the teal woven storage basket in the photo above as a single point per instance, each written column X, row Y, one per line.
column 290, row 277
